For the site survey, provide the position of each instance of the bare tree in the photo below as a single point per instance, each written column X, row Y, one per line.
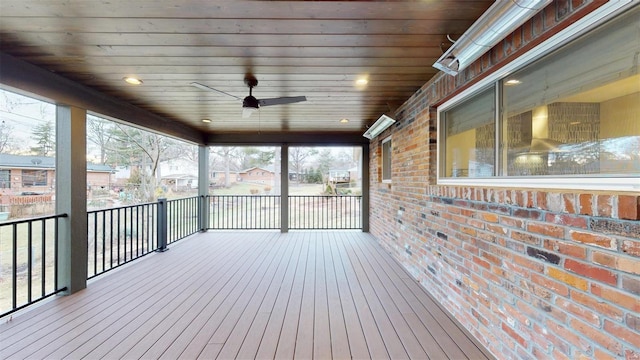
column 6, row 138
column 227, row 153
column 298, row 156
column 100, row 132
column 143, row 151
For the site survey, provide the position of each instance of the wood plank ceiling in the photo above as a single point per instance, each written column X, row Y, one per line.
column 316, row 49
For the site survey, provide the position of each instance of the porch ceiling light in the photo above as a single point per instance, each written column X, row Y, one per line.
column 501, row 19
column 132, row 80
column 378, row 127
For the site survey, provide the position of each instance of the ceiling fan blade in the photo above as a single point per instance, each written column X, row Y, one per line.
column 209, row 88
column 282, row 100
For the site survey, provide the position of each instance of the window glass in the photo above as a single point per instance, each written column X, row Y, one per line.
column 386, row 160
column 577, row 111
column 5, row 179
column 34, row 178
column 469, row 137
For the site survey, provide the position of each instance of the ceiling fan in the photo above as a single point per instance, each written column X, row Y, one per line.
column 250, row 103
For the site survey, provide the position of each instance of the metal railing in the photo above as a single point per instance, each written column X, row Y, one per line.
column 325, row 212
column 120, row 235
column 117, row 236
column 305, row 212
column 182, row 218
column 244, row 212
column 28, row 262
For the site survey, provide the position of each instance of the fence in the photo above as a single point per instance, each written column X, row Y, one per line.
column 28, row 261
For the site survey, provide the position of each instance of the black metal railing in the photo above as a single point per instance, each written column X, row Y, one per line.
column 325, row 212
column 244, row 212
column 117, row 236
column 120, row 235
column 182, row 218
column 28, row 261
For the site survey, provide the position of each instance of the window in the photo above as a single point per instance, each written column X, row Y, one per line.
column 470, row 137
column 5, row 179
column 386, row 160
column 572, row 114
column 34, row 178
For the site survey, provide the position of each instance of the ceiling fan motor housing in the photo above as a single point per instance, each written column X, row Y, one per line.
column 250, row 102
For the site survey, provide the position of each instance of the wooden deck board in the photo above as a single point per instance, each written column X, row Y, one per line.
column 324, row 294
column 389, row 334
column 429, row 311
column 286, row 308
column 264, row 295
column 303, row 346
column 337, row 327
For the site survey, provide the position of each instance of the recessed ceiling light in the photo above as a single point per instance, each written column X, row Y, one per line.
column 132, row 80
column 206, row 120
column 362, row 81
column 513, row 82
column 344, row 121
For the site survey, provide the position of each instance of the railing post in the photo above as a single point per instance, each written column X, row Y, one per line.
column 203, row 187
column 162, row 225
column 71, row 197
column 203, row 212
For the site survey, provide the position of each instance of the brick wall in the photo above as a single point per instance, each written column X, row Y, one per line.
column 530, row 273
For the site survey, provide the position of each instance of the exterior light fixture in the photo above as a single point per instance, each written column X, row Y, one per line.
column 131, row 80
column 378, row 127
column 501, row 19
column 344, row 121
column 206, row 120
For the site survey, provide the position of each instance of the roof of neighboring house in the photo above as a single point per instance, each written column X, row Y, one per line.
column 223, row 170
column 42, row 162
column 179, row 177
column 255, row 168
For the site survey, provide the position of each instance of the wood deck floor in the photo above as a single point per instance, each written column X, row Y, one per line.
column 246, row 295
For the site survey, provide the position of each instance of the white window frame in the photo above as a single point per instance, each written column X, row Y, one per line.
column 382, row 155
column 597, row 17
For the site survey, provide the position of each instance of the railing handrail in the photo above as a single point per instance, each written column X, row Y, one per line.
column 121, row 207
column 32, row 219
column 250, row 195
column 184, row 198
column 326, row 196
column 138, row 205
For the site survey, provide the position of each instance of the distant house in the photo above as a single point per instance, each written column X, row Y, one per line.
column 257, row 175
column 31, row 175
column 180, row 182
column 179, row 174
column 218, row 178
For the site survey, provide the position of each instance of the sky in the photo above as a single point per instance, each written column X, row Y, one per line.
column 22, row 114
